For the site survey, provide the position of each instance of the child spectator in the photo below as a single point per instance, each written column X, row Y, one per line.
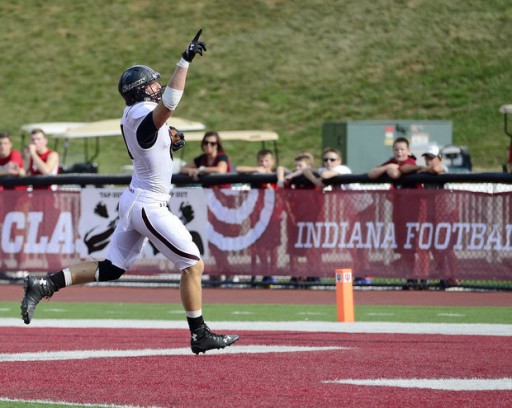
column 266, row 250
column 296, row 211
column 404, row 211
column 265, row 165
column 296, row 179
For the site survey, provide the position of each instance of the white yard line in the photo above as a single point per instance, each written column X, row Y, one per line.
column 89, row 354
column 305, row 326
column 447, row 384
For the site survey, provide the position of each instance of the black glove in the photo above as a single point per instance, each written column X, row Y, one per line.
column 177, row 138
column 195, row 47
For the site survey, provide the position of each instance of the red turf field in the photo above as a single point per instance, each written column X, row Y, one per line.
column 271, row 377
column 286, row 379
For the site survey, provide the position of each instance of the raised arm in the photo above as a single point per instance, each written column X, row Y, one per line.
column 174, row 90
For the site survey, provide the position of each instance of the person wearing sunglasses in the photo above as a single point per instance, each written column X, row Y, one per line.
column 332, row 167
column 213, row 160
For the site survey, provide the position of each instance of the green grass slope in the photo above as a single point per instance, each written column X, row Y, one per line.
column 271, row 64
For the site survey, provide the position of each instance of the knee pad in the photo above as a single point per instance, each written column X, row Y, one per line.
column 108, row 272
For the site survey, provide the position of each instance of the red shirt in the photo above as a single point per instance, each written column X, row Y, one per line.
column 409, row 161
column 15, row 157
column 34, row 171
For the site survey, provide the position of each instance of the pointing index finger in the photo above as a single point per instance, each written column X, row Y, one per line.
column 197, row 35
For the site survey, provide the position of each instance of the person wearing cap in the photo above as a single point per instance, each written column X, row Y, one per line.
column 433, row 164
column 437, row 208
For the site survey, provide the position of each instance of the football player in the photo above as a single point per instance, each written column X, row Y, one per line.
column 143, row 210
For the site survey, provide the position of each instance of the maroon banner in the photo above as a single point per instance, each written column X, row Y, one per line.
column 416, row 234
column 39, row 230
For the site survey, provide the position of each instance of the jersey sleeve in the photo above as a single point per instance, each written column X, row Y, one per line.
column 147, row 132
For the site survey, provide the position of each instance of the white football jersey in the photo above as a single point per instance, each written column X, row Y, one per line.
column 152, row 167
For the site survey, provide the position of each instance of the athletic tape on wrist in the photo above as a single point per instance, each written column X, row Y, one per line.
column 171, row 98
column 183, row 63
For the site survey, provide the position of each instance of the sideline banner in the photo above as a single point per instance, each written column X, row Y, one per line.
column 99, row 216
column 39, row 230
column 420, row 234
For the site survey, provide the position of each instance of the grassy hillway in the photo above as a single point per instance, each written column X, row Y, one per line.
column 272, row 64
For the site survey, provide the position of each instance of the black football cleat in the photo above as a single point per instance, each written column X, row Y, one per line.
column 203, row 339
column 35, row 290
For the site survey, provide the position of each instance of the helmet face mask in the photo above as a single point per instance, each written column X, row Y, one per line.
column 153, row 93
column 137, row 85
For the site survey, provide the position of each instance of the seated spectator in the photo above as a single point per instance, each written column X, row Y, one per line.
column 213, row 160
column 11, row 161
column 433, row 163
column 265, row 165
column 266, row 250
column 296, row 179
column 332, row 168
column 39, row 159
column 402, row 162
column 439, row 209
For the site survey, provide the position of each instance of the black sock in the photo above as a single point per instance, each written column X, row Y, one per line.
column 58, row 280
column 195, row 322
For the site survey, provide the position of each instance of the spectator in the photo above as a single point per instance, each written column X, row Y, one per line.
column 402, row 162
column 265, row 163
column 39, row 159
column 438, row 208
column 11, row 164
column 404, row 210
column 349, row 207
column 11, row 161
column 213, row 160
column 296, row 179
column 433, row 164
column 332, row 168
column 296, row 211
column 266, row 250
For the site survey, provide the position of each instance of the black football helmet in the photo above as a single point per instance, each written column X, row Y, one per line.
column 134, row 81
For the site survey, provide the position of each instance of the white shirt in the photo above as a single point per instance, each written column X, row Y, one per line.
column 152, row 167
column 340, row 169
